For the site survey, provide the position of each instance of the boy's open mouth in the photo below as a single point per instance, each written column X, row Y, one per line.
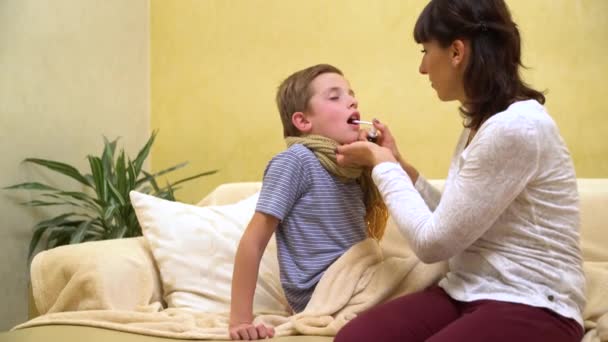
column 354, row 117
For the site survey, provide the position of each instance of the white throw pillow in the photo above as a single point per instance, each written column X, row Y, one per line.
column 194, row 249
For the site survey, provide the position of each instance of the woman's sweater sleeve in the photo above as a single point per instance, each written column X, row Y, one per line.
column 497, row 167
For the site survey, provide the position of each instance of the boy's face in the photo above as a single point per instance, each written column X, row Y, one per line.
column 330, row 107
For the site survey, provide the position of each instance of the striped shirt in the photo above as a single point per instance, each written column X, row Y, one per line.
column 320, row 216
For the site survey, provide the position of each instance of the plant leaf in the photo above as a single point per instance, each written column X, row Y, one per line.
column 65, row 201
column 167, row 192
column 160, row 173
column 121, row 174
column 152, row 181
column 107, row 156
column 135, row 228
column 132, row 174
column 99, row 227
column 80, row 232
column 118, row 232
column 62, row 168
column 81, row 196
column 99, row 179
column 145, row 189
column 116, row 194
column 92, row 236
column 109, row 211
column 207, row 173
column 171, row 192
column 35, row 240
column 89, row 178
column 31, row 186
column 55, row 221
column 60, row 236
column 39, row 203
column 143, row 154
column 42, row 226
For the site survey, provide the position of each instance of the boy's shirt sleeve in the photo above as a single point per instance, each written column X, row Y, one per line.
column 285, row 181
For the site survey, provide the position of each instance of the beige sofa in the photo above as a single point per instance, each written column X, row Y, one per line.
column 594, row 242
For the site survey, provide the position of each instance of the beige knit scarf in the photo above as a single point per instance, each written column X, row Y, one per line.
column 325, row 150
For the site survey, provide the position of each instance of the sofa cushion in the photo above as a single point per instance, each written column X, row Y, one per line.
column 75, row 333
column 194, row 249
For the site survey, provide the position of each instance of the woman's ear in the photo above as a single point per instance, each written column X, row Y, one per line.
column 460, row 52
column 301, row 122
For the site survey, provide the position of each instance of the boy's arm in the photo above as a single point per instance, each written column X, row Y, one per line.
column 244, row 278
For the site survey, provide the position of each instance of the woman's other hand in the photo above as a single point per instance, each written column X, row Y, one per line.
column 363, row 153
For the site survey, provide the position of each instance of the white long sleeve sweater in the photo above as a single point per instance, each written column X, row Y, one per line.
column 508, row 217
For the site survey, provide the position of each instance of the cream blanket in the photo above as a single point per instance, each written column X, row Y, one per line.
column 361, row 278
column 88, row 293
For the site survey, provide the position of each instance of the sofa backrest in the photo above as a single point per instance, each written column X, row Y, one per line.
column 230, row 192
column 593, row 194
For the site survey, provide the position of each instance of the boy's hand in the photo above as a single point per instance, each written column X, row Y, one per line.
column 245, row 274
column 248, row 331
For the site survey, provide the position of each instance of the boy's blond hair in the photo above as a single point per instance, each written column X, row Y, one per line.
column 295, row 92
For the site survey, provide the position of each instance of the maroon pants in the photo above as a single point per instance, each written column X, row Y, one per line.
column 432, row 315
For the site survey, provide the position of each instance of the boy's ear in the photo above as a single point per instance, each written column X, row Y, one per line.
column 301, row 122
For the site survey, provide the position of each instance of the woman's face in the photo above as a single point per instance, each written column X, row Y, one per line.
column 445, row 68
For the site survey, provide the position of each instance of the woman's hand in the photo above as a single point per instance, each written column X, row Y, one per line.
column 386, row 138
column 363, row 153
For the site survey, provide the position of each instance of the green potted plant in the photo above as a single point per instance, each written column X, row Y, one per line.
column 103, row 209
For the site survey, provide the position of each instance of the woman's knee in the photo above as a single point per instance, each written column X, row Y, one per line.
column 352, row 332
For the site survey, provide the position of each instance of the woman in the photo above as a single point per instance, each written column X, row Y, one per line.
column 507, row 221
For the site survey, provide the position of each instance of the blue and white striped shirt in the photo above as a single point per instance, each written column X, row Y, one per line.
column 321, row 216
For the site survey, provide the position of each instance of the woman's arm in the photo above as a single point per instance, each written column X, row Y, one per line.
column 498, row 166
column 429, row 193
column 368, row 154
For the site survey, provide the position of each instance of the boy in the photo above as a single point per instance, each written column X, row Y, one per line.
column 318, row 209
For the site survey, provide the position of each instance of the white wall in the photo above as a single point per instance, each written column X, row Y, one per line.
column 71, row 71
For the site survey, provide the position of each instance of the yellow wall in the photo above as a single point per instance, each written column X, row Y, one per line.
column 71, row 70
column 216, row 65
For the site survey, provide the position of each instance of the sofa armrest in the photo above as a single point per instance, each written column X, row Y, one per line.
column 32, row 311
column 112, row 274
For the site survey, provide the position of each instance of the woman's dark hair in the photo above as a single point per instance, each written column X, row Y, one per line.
column 491, row 80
